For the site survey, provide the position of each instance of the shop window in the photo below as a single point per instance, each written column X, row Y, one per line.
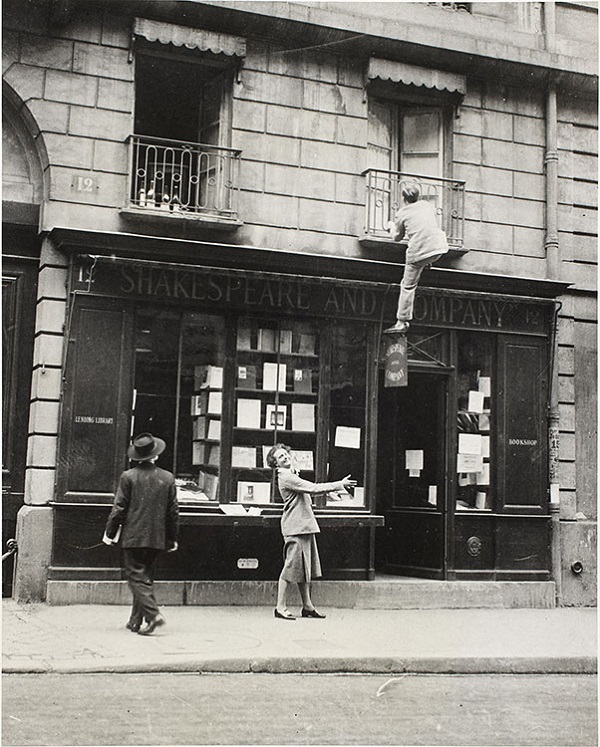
column 181, row 162
column 177, row 396
column 277, row 383
column 221, row 409
column 475, row 418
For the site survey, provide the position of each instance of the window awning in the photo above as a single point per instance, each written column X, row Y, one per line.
column 411, row 75
column 184, row 36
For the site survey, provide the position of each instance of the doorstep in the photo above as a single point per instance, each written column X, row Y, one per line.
column 399, row 593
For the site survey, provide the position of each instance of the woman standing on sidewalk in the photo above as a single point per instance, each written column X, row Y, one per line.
column 299, row 528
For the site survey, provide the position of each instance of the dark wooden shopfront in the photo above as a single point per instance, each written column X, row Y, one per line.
column 124, row 311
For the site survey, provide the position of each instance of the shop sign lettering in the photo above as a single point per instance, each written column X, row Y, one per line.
column 318, row 296
column 94, row 420
column 522, row 442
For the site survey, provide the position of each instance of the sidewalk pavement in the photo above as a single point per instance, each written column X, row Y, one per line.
column 93, row 638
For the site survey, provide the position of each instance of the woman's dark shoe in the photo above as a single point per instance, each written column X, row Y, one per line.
column 313, row 613
column 283, row 615
column 152, row 625
column 134, row 625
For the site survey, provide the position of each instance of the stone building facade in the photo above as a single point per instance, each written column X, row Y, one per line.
column 275, row 138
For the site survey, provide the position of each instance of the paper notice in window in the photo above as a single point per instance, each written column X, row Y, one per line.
column 347, row 437
column 469, row 443
column 432, row 496
column 483, row 476
column 485, row 385
column 484, row 421
column 469, row 463
column 475, row 401
column 414, row 459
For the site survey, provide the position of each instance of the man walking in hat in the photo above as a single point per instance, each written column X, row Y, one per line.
column 145, row 507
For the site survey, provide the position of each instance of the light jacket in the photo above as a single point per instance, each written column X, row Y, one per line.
column 418, row 224
column 298, row 516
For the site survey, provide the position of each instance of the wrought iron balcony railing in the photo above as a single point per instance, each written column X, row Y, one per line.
column 186, row 179
column 384, row 199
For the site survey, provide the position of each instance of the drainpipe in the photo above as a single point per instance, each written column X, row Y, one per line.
column 553, row 272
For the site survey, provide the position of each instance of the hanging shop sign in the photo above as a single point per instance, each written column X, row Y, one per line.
column 396, row 361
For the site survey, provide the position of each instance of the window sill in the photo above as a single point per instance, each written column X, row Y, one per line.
column 161, row 217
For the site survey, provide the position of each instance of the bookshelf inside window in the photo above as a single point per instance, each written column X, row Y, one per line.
column 277, row 377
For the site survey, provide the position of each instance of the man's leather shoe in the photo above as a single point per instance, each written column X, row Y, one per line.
column 134, row 625
column 313, row 613
column 152, row 625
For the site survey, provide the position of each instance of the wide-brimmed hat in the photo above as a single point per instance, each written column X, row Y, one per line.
column 145, row 446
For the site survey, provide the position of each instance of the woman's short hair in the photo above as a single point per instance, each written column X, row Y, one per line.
column 270, row 458
column 411, row 193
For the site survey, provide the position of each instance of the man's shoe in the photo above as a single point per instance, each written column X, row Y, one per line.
column 152, row 625
column 398, row 329
column 313, row 613
column 134, row 625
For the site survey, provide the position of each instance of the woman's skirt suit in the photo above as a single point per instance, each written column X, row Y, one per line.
column 299, row 526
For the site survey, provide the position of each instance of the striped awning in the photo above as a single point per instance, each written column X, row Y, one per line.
column 411, row 75
column 185, row 36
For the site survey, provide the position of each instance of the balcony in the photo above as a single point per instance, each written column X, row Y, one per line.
column 384, row 198
column 174, row 180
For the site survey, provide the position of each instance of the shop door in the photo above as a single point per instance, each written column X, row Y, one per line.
column 411, row 476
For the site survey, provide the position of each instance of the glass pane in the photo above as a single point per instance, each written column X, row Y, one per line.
column 200, row 406
column 276, row 393
column 155, row 385
column 421, row 132
column 474, row 417
column 347, row 414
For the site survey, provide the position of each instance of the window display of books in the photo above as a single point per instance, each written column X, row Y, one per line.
column 276, row 394
column 206, row 410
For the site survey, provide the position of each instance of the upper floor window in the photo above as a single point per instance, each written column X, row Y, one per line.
column 410, row 113
column 181, row 157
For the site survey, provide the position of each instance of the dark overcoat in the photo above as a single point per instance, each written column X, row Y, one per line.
column 146, row 507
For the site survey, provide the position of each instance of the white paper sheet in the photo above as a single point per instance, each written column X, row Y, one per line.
column 414, row 459
column 469, row 443
column 483, row 474
column 475, row 401
column 347, row 437
column 485, row 385
column 469, row 463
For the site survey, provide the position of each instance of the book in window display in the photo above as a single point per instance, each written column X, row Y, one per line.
column 198, row 452
column 303, row 417
column 306, row 345
column 267, row 340
column 206, row 376
column 214, row 430
column 244, row 339
column 199, row 427
column 244, row 457
column 246, row 377
column 248, row 413
column 253, row 492
column 303, row 460
column 274, row 377
column 285, row 341
column 276, row 417
column 302, row 381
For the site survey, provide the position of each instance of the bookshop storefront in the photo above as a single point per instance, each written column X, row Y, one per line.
column 222, row 364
